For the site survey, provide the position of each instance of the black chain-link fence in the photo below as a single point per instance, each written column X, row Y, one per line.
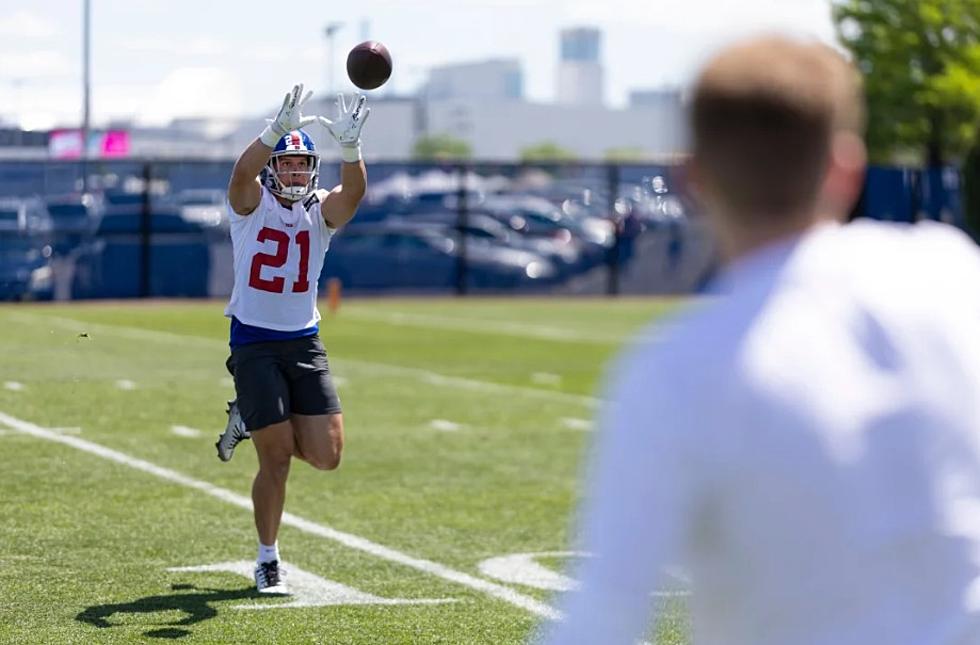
column 159, row 228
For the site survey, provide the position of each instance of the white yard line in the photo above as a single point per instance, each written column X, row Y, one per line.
column 184, row 431
column 425, row 376
column 13, row 386
column 347, row 539
column 574, row 423
column 444, row 425
column 483, row 326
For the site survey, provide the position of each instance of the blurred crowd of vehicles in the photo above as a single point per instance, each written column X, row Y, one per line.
column 426, row 232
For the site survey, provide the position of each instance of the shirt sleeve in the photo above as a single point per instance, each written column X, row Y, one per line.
column 633, row 520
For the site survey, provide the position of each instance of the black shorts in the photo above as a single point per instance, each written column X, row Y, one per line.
column 283, row 377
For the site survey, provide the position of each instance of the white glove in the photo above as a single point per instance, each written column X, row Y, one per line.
column 347, row 128
column 290, row 117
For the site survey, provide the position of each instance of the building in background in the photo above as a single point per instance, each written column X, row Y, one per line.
column 480, row 102
column 658, row 98
column 490, row 80
column 580, row 77
column 500, row 131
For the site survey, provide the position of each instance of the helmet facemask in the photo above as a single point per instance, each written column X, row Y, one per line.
column 293, row 144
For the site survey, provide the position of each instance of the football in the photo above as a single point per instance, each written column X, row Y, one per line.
column 369, row 65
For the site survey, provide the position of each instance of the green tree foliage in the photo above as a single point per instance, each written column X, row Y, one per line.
column 441, row 147
column 921, row 65
column 546, row 151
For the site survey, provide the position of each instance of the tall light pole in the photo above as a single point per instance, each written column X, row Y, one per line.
column 329, row 31
column 86, row 89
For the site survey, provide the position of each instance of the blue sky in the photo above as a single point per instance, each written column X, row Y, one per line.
column 153, row 60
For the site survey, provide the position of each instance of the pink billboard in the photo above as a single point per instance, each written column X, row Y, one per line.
column 67, row 144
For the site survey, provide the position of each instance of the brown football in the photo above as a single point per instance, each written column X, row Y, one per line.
column 369, row 65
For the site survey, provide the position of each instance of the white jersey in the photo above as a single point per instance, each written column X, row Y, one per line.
column 805, row 446
column 278, row 257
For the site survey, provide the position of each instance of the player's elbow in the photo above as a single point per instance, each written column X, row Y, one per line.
column 353, row 192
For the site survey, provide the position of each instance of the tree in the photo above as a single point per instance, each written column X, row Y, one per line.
column 921, row 65
column 546, row 151
column 441, row 147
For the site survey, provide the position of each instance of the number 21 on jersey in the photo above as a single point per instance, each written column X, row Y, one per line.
column 278, row 260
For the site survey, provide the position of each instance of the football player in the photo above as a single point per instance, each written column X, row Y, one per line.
column 281, row 225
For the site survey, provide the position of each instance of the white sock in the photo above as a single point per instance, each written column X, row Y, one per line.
column 268, row 553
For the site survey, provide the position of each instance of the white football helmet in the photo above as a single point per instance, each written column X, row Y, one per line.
column 296, row 143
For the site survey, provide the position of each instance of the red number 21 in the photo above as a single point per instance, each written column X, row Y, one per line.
column 278, row 259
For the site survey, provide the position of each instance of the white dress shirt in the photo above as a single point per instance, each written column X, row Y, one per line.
column 805, row 444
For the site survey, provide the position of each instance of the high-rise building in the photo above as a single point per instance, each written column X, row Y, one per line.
column 490, row 80
column 580, row 79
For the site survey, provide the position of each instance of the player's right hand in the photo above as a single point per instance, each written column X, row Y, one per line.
column 290, row 117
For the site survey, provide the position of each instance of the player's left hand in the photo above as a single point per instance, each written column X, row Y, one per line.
column 346, row 129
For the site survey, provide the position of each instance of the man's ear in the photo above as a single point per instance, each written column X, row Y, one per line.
column 845, row 173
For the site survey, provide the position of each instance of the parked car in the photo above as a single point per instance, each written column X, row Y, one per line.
column 24, row 214
column 392, row 255
column 480, row 228
column 25, row 250
column 75, row 219
column 204, row 206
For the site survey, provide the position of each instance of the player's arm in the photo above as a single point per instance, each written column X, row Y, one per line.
column 244, row 191
column 341, row 203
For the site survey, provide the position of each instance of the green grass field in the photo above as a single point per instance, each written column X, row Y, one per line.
column 466, row 421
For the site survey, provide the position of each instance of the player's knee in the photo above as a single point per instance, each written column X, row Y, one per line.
column 326, row 460
column 276, row 466
column 278, row 472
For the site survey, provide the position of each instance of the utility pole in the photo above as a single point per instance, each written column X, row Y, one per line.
column 86, row 88
column 329, row 31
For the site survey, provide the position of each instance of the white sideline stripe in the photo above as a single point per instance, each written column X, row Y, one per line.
column 347, row 539
column 66, row 430
column 478, row 326
column 13, row 386
column 125, row 384
column 432, row 378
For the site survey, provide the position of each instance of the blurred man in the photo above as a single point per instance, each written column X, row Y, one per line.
column 806, row 444
column 281, row 226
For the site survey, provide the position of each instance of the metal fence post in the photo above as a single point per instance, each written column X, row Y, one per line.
column 612, row 180
column 461, row 219
column 145, row 226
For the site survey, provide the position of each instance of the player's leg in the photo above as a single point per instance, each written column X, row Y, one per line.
column 320, row 439
column 274, row 446
column 264, row 403
column 315, row 405
column 235, row 430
